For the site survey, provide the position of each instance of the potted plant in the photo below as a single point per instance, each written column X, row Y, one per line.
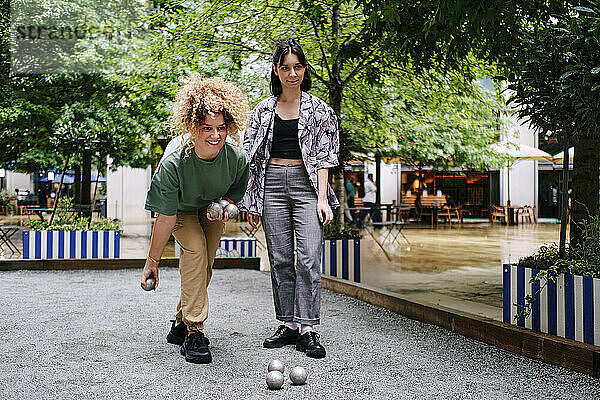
column 7, row 200
column 71, row 235
column 556, row 294
column 341, row 252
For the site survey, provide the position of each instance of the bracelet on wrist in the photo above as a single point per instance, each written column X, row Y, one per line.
column 153, row 259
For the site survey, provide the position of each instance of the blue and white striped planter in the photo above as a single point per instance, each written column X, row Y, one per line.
column 569, row 307
column 71, row 244
column 341, row 259
column 231, row 247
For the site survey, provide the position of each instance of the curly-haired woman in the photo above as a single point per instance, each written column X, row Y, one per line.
column 292, row 142
column 198, row 167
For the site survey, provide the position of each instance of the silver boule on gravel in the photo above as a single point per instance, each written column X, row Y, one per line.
column 213, row 210
column 232, row 211
column 276, row 365
column 298, row 376
column 274, row 380
column 224, row 203
column 150, row 283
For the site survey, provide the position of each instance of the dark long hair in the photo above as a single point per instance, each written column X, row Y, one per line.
column 282, row 49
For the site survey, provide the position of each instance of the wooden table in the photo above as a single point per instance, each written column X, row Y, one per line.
column 512, row 214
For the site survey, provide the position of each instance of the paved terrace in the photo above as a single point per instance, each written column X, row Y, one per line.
column 97, row 335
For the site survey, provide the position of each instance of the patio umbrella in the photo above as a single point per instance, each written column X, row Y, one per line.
column 559, row 158
column 520, row 152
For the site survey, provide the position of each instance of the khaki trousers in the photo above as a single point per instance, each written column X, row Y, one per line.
column 199, row 240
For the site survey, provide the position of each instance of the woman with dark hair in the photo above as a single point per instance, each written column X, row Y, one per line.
column 292, row 142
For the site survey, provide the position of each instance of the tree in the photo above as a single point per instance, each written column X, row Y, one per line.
column 47, row 116
column 350, row 62
column 442, row 34
column 556, row 87
column 430, row 120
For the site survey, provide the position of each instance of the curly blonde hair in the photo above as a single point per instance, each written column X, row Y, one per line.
column 199, row 97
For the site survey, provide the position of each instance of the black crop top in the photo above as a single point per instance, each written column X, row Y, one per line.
column 285, row 139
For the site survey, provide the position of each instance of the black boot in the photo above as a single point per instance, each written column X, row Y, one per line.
column 309, row 343
column 282, row 336
column 195, row 348
column 177, row 333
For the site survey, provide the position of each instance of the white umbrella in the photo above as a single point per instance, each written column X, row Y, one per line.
column 521, row 152
column 559, row 158
column 518, row 152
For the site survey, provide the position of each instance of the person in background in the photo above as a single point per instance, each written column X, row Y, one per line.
column 350, row 194
column 450, row 203
column 418, row 204
column 369, row 201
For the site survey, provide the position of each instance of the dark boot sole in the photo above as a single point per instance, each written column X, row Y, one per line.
column 318, row 354
column 278, row 345
column 197, row 360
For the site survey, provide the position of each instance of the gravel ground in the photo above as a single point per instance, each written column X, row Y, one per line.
column 96, row 334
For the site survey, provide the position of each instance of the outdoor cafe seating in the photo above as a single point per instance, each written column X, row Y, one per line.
column 432, row 209
column 510, row 214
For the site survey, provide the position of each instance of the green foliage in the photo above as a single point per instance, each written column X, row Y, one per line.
column 441, row 34
column 66, row 219
column 556, row 74
column 340, row 231
column 581, row 258
column 78, row 223
column 443, row 121
column 6, row 197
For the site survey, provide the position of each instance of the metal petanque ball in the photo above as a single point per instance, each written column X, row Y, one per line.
column 274, row 380
column 213, row 210
column 224, row 203
column 298, row 376
column 150, row 283
column 232, row 211
column 276, row 365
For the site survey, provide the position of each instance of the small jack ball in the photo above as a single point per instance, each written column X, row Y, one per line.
column 150, row 283
column 298, row 376
column 276, row 365
column 274, row 380
column 232, row 211
column 213, row 210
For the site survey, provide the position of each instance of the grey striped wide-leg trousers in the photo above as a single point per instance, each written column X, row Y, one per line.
column 290, row 209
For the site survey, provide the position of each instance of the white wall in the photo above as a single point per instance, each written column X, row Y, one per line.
column 17, row 180
column 390, row 180
column 126, row 190
column 523, row 174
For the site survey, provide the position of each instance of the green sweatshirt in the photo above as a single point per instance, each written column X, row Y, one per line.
column 187, row 183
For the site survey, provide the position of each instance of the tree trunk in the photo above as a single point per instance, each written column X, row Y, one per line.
column 584, row 199
column 565, row 199
column 77, row 185
column 86, row 184
column 378, row 186
column 335, row 101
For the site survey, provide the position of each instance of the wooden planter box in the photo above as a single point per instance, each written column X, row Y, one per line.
column 341, row 259
column 231, row 247
column 569, row 307
column 71, row 244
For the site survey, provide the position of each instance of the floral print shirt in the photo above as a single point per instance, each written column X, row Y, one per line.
column 319, row 140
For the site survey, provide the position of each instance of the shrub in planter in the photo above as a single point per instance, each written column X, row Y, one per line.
column 340, row 256
column 70, row 237
column 558, row 295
